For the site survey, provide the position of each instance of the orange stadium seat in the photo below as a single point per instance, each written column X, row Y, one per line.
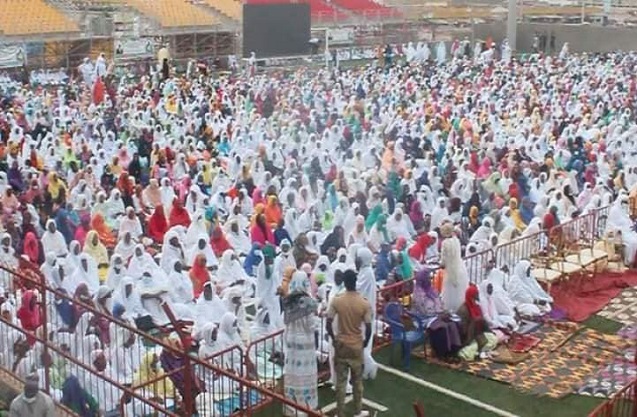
column 174, row 13
column 30, row 17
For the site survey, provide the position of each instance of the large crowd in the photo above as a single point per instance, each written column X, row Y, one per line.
column 212, row 194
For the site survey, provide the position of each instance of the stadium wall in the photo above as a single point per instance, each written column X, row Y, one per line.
column 581, row 38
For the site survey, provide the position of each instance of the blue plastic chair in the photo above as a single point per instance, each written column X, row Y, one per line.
column 406, row 338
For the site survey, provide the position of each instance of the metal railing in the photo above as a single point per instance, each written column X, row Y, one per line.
column 121, row 369
column 77, row 340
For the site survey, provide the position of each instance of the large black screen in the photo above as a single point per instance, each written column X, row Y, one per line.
column 271, row 30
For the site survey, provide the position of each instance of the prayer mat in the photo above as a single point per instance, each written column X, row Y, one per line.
column 503, row 354
column 551, row 334
column 628, row 332
column 522, row 343
column 622, row 308
column 564, row 370
column 610, row 380
column 565, row 359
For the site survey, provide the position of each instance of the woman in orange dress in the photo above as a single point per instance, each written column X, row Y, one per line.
column 272, row 211
column 103, row 231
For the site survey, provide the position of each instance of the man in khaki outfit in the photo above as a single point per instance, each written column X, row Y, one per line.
column 351, row 310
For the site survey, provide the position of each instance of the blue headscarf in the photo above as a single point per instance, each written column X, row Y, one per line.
column 331, row 191
column 66, row 311
column 63, row 224
column 253, row 259
column 383, row 264
column 118, row 311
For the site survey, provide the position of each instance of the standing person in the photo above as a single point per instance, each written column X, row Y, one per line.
column 456, row 278
column 301, row 371
column 351, row 310
column 32, row 402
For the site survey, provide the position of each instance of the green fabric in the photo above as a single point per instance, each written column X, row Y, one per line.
column 393, row 182
column 406, row 268
column 373, row 216
column 328, row 220
column 381, row 226
column 268, row 252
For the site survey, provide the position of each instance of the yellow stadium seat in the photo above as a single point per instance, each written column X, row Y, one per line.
column 174, row 13
column 29, row 17
column 231, row 8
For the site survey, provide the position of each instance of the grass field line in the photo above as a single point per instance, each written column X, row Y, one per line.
column 369, row 403
column 446, row 391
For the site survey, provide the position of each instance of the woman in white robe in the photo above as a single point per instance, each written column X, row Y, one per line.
column 619, row 222
column 171, row 251
column 267, row 285
column 140, row 262
column 153, row 290
column 366, row 286
column 209, row 347
column 456, row 278
column 116, row 272
column 131, row 224
column 483, row 233
column 230, row 271
column 167, row 192
column 115, row 209
column 47, row 268
column 490, row 300
column 284, row 259
column 129, row 297
column 86, row 273
column 7, row 257
column 53, row 241
column 227, row 337
column 124, row 354
column 398, row 226
column 504, row 306
column 181, row 288
column 209, row 308
column 440, row 213
column 530, row 299
column 72, row 260
column 196, row 229
column 262, row 352
column 237, row 238
column 125, row 247
column 202, row 246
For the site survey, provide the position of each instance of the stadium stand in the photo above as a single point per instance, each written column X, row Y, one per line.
column 41, row 18
column 229, row 8
column 174, row 13
column 366, row 7
column 319, row 9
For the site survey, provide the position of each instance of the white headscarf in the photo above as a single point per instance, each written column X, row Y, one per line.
column 53, row 241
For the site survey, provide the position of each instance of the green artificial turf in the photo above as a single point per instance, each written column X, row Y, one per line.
column 490, row 392
column 398, row 394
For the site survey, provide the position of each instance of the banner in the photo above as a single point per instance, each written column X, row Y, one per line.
column 12, row 56
column 341, row 36
column 134, row 48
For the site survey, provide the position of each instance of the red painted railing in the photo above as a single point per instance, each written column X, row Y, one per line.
column 171, row 393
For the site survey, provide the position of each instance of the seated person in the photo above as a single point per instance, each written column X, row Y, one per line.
column 444, row 333
column 497, row 308
column 529, row 298
column 475, row 334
